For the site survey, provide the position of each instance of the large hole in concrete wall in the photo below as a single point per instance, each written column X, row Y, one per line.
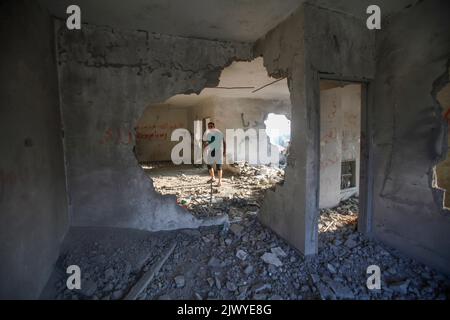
column 340, row 128
column 442, row 170
column 245, row 99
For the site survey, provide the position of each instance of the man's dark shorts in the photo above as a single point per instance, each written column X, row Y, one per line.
column 218, row 166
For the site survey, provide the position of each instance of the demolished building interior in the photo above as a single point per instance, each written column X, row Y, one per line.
column 359, row 119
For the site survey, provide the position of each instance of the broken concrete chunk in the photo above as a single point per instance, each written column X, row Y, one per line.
column 198, row 296
column 325, row 292
column 259, row 296
column 109, row 273
column 271, row 258
column 400, row 286
column 304, row 288
column 248, row 270
column 180, row 281
column 259, row 287
column 241, row 254
column 315, row 278
column 235, row 212
column 218, row 284
column 109, row 287
column 128, row 268
column 350, row 243
column 341, row 291
column 236, row 229
column 231, row 286
column 118, row 294
column 278, row 252
column 88, row 288
column 215, row 262
column 331, row 268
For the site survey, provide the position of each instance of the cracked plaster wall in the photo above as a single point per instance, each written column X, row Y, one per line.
column 410, row 132
column 33, row 199
column 107, row 78
column 158, row 121
column 407, row 133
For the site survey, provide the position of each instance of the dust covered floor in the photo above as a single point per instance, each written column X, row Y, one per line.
column 242, row 188
column 244, row 261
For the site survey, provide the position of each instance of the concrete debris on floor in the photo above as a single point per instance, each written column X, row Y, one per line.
column 241, row 190
column 244, row 261
column 346, row 214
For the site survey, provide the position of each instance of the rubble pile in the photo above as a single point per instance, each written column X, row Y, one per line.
column 241, row 191
column 344, row 215
column 244, row 259
column 248, row 261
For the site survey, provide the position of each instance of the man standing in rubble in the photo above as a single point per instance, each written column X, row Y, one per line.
column 214, row 151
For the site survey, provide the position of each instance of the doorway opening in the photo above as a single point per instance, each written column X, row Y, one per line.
column 340, row 158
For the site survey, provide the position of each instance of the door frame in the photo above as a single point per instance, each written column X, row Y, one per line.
column 365, row 215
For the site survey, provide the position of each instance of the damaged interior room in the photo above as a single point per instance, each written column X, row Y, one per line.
column 224, row 150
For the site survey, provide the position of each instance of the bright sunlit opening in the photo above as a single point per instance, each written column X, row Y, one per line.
column 278, row 129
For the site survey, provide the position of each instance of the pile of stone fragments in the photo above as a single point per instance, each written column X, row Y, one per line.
column 245, row 260
column 240, row 191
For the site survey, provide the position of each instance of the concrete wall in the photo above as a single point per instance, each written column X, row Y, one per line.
column 226, row 113
column 107, row 78
column 245, row 114
column 410, row 133
column 33, row 203
column 203, row 110
column 340, row 125
column 406, row 132
column 154, row 130
column 311, row 41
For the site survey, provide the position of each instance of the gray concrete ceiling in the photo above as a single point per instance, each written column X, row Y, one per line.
column 357, row 8
column 239, row 20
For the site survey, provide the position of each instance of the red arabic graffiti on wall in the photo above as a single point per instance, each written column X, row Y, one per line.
column 124, row 136
column 117, row 136
column 160, row 131
column 329, row 136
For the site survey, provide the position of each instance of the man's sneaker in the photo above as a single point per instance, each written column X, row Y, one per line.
column 211, row 180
